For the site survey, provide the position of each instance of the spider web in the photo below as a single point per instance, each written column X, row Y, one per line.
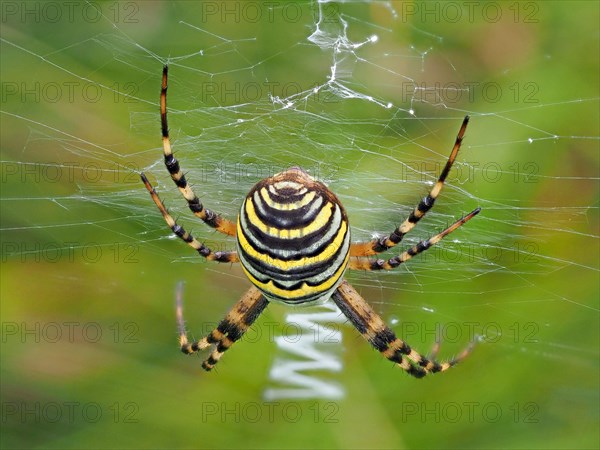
column 368, row 97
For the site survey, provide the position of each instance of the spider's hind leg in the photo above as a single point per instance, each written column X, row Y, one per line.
column 230, row 329
column 383, row 339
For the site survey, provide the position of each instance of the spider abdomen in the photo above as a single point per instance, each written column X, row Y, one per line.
column 293, row 238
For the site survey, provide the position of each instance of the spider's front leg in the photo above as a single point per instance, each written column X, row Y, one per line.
column 179, row 231
column 382, row 244
column 382, row 338
column 230, row 329
column 209, row 217
column 364, row 263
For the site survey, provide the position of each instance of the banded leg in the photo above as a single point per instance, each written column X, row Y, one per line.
column 364, row 263
column 230, row 257
column 232, row 327
column 379, row 245
column 209, row 217
column 382, row 338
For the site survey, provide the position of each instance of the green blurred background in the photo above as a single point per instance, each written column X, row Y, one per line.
column 89, row 271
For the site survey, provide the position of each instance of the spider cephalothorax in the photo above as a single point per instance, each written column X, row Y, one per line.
column 293, row 242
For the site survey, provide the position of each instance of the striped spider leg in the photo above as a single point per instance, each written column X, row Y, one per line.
column 230, row 329
column 383, row 339
column 293, row 243
column 207, row 216
column 361, row 314
column 380, row 245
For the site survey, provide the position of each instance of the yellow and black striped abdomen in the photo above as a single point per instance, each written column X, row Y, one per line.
column 293, row 238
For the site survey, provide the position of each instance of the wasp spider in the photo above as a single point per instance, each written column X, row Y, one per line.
column 293, row 243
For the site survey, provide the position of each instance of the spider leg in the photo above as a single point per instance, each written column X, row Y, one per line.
column 230, row 329
column 364, row 263
column 379, row 245
column 209, row 217
column 202, row 250
column 383, row 339
column 435, row 349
